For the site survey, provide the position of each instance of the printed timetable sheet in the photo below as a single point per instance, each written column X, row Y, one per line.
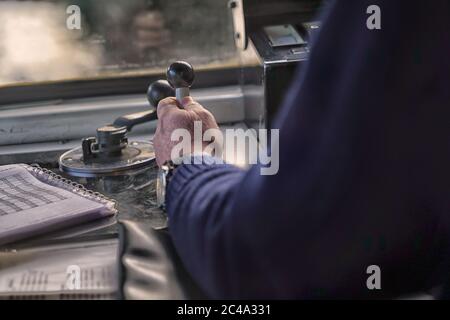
column 29, row 206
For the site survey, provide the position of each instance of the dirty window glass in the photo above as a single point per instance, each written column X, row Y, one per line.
column 60, row 40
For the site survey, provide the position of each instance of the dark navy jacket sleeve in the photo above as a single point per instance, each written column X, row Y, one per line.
column 364, row 173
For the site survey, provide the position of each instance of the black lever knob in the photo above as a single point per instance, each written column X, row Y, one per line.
column 158, row 91
column 180, row 75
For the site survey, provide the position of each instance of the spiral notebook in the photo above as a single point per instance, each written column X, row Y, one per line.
column 34, row 201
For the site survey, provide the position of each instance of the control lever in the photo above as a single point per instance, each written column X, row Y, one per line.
column 111, row 139
column 180, row 75
column 156, row 92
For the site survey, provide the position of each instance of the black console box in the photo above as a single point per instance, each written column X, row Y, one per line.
column 280, row 31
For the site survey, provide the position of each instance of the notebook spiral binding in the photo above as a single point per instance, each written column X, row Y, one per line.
column 57, row 180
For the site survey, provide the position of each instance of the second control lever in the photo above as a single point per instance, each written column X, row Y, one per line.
column 111, row 139
column 156, row 92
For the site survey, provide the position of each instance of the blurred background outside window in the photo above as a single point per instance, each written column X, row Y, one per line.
column 116, row 37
